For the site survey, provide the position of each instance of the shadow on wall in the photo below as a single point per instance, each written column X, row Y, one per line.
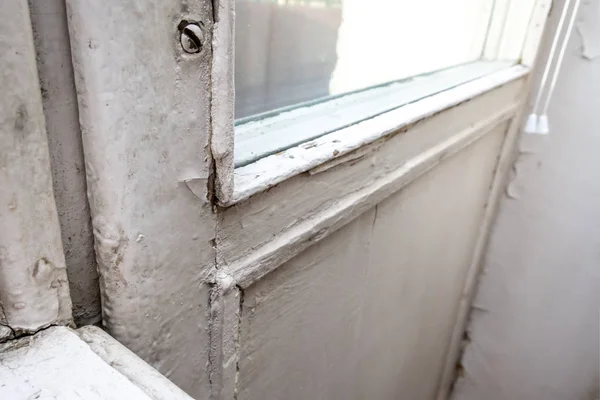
column 285, row 54
column 534, row 325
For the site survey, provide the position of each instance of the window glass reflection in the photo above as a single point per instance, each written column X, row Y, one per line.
column 293, row 51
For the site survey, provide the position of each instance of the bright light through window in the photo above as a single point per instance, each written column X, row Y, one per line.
column 294, row 51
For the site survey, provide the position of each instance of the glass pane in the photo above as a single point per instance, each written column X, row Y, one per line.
column 293, row 51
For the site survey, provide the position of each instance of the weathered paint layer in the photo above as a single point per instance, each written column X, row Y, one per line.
column 145, row 117
column 368, row 311
column 34, row 291
column 250, row 230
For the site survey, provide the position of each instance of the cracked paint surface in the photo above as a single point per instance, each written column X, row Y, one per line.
column 146, row 141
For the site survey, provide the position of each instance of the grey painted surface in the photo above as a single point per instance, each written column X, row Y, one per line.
column 535, row 329
column 145, row 120
column 34, row 291
column 368, row 312
column 51, row 38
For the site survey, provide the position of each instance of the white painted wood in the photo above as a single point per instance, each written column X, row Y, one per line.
column 365, row 313
column 222, row 98
column 138, row 372
column 509, row 28
column 515, row 30
column 505, row 160
column 246, row 227
column 496, row 29
column 269, row 171
column 286, row 206
column 153, row 119
column 258, row 236
column 291, row 242
column 266, row 136
column 226, row 299
column 34, row 291
column 59, row 363
column 145, row 115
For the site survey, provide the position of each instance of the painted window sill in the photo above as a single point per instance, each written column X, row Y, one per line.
column 431, row 98
column 86, row 363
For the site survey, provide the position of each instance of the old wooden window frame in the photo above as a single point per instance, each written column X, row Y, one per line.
column 513, row 33
column 169, row 209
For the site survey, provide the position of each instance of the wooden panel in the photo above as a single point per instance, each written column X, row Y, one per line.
column 368, row 312
column 247, row 229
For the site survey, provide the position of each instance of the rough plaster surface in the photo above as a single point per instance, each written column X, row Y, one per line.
column 51, row 38
column 368, row 312
column 43, row 367
column 144, row 108
column 34, row 290
column 535, row 332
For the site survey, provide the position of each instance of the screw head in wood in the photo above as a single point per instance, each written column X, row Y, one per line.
column 192, row 37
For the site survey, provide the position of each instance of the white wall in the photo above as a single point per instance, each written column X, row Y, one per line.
column 534, row 330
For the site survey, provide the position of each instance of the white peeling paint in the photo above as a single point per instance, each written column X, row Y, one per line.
column 293, row 241
column 145, row 117
column 270, row 135
column 244, row 228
